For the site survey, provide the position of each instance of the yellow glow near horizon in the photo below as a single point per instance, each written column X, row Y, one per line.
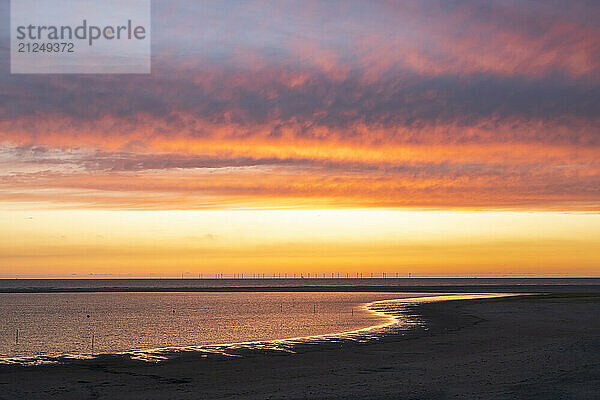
column 168, row 243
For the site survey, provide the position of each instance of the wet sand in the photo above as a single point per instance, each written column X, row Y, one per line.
column 531, row 347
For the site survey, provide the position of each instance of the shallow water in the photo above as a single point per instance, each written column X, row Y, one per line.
column 55, row 324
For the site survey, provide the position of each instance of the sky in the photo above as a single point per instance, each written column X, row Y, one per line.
column 441, row 138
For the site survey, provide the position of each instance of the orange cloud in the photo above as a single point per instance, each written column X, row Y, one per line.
column 403, row 104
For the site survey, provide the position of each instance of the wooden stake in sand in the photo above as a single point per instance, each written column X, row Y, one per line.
column 17, row 337
column 92, row 344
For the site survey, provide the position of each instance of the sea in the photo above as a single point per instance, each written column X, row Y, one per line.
column 56, row 320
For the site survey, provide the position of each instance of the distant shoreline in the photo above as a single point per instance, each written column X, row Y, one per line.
column 322, row 288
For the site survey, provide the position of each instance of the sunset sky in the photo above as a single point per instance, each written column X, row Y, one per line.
column 441, row 138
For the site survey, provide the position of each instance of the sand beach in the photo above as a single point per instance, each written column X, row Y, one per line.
column 527, row 347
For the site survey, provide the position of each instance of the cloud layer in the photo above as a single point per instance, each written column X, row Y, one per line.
column 439, row 104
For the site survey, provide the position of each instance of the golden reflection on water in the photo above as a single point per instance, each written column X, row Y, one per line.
column 154, row 326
